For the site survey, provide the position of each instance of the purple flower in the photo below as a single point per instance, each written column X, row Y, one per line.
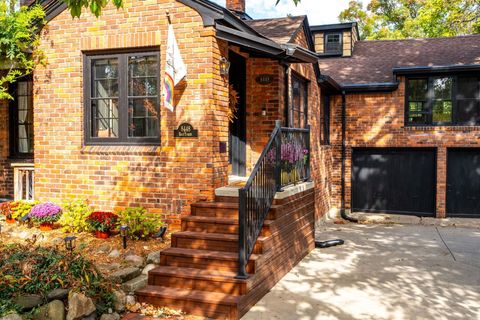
column 45, row 212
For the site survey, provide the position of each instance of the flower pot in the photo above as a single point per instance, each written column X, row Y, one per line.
column 10, row 221
column 102, row 234
column 46, row 226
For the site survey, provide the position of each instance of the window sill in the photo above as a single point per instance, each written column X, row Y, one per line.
column 441, row 128
column 122, row 150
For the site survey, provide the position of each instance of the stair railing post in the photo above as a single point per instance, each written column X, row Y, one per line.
column 242, row 235
column 278, row 155
column 309, row 157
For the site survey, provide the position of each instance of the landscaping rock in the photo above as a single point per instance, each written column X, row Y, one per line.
column 120, row 300
column 124, row 275
column 58, row 294
column 114, row 253
column 153, row 257
column 29, row 301
column 12, row 316
column 147, row 268
column 58, row 242
column 112, row 316
column 109, row 266
column 55, row 310
column 130, row 300
column 135, row 284
column 104, row 248
column 135, row 260
column 79, row 306
column 93, row 316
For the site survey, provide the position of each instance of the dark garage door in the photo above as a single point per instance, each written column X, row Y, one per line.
column 463, row 183
column 394, row 181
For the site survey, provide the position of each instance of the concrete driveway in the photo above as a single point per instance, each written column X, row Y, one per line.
column 382, row 272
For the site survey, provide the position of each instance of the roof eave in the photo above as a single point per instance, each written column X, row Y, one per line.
column 370, row 87
column 435, row 69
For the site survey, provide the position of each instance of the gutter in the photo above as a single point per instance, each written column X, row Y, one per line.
column 370, row 87
column 344, row 152
column 436, row 69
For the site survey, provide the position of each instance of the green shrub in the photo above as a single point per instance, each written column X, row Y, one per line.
column 75, row 214
column 140, row 223
column 21, row 208
column 35, row 270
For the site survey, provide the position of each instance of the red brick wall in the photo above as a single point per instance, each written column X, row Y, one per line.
column 6, row 172
column 377, row 120
column 164, row 179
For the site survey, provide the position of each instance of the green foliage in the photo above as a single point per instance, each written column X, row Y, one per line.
column 140, row 223
column 22, row 208
column 296, row 2
column 27, row 270
column 19, row 39
column 75, row 214
column 95, row 6
column 400, row 19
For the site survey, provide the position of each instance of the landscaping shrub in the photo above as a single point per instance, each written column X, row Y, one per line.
column 45, row 213
column 22, row 208
column 27, row 270
column 6, row 209
column 102, row 221
column 74, row 216
column 140, row 223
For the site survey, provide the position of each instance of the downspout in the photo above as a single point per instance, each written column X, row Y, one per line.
column 286, row 95
column 344, row 151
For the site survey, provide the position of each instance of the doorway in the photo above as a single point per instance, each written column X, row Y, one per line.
column 237, row 153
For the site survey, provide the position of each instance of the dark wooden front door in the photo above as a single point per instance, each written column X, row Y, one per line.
column 398, row 181
column 463, row 183
column 238, row 128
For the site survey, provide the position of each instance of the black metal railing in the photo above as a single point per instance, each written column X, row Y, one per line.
column 284, row 161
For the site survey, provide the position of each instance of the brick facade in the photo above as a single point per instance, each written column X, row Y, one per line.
column 6, row 172
column 165, row 179
column 377, row 120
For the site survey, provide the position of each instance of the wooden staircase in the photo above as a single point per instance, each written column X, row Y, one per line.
column 198, row 273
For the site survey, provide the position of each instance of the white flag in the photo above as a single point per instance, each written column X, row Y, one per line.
column 175, row 69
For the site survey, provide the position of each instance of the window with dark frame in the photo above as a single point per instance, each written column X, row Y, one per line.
column 299, row 107
column 443, row 100
column 333, row 42
column 326, row 119
column 122, row 98
column 21, row 119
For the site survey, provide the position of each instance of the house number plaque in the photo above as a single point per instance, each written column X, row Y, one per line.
column 264, row 79
column 185, row 130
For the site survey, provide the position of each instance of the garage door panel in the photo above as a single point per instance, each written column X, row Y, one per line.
column 463, row 183
column 393, row 181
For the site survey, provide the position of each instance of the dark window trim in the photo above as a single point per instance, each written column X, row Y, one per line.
column 326, row 110
column 13, row 121
column 122, row 55
column 429, row 102
column 296, row 76
column 340, row 34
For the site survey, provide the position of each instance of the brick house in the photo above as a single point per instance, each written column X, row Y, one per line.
column 91, row 123
column 412, row 116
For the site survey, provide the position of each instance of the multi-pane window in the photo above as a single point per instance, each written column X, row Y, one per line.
column 21, row 118
column 297, row 114
column 122, row 99
column 443, row 100
column 333, row 43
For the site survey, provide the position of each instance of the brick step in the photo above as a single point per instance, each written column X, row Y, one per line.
column 201, row 303
column 206, row 260
column 227, row 210
column 197, row 279
column 211, row 241
column 217, row 225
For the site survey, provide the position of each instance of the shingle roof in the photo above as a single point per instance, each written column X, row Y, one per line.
column 280, row 30
column 373, row 61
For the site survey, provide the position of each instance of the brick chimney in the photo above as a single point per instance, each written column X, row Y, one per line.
column 236, row 6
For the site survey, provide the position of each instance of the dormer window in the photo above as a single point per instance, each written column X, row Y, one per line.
column 333, row 43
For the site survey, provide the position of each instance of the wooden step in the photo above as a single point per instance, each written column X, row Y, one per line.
column 201, row 303
column 211, row 241
column 197, row 279
column 227, row 210
column 217, row 225
column 209, row 224
column 206, row 260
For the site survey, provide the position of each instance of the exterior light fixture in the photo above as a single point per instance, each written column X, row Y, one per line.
column 123, row 233
column 224, row 67
column 70, row 243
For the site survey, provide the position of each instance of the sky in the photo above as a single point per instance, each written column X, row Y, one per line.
column 318, row 11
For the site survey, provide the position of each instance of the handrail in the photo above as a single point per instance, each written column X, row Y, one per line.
column 285, row 160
